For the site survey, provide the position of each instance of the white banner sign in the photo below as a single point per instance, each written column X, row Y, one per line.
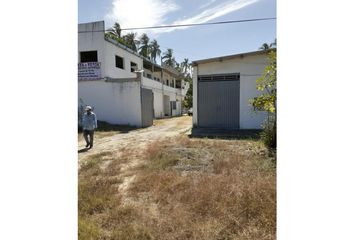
column 89, row 71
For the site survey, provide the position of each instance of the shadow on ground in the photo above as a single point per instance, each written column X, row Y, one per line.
column 225, row 133
column 107, row 127
column 83, row 150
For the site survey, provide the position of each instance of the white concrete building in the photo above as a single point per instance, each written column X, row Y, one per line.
column 222, row 89
column 108, row 81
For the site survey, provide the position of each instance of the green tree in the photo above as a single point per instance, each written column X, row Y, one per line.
column 168, row 58
column 131, row 41
column 144, row 48
column 154, row 50
column 115, row 30
column 266, row 101
column 264, row 46
column 185, row 68
column 185, row 65
column 178, row 67
column 188, row 99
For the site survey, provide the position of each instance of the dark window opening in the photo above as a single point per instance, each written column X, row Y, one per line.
column 219, row 77
column 133, row 66
column 148, row 75
column 178, row 84
column 167, row 83
column 173, row 103
column 89, row 56
column 119, row 62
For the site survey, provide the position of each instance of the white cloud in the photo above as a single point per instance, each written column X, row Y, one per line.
column 210, row 14
column 217, row 11
column 140, row 13
column 207, row 4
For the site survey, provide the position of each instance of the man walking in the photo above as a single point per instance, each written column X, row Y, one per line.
column 89, row 124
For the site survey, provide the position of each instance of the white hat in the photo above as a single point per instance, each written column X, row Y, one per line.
column 88, row 108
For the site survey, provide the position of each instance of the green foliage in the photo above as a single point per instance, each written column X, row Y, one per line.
column 114, row 37
column 147, row 49
column 267, row 100
column 131, row 41
column 188, row 99
column 269, row 133
column 154, row 49
column 144, row 48
column 115, row 30
column 168, row 58
column 267, row 84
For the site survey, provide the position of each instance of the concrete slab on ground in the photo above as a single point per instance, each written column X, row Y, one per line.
column 225, row 133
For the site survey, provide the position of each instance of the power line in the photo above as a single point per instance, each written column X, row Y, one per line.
column 200, row 24
column 191, row 54
column 188, row 25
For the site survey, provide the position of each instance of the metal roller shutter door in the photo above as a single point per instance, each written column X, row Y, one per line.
column 147, row 107
column 219, row 101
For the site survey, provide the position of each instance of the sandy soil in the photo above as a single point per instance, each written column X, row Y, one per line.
column 134, row 142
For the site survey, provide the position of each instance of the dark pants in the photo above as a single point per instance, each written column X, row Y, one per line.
column 87, row 133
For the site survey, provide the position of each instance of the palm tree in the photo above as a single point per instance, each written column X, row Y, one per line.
column 130, row 41
column 169, row 59
column 144, row 48
column 264, row 46
column 115, row 30
column 178, row 67
column 185, row 65
column 154, row 50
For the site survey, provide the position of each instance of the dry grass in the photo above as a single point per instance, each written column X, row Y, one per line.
column 209, row 189
column 187, row 189
column 101, row 215
column 107, row 130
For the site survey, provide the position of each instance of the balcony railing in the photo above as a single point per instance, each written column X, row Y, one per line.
column 156, row 84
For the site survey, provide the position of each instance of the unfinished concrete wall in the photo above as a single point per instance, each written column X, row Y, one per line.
column 113, row 102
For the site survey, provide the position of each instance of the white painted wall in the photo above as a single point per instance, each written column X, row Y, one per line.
column 246, row 66
column 158, row 103
column 110, row 58
column 116, row 103
column 159, row 90
column 167, row 76
column 195, row 96
column 119, row 103
column 157, row 75
column 91, row 38
column 156, row 88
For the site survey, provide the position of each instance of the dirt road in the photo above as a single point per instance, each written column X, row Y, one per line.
column 137, row 140
column 133, row 143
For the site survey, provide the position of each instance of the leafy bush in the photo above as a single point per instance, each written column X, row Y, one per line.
column 269, row 134
column 266, row 101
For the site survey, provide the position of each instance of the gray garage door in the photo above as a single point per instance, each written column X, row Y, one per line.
column 166, row 105
column 147, row 107
column 219, row 101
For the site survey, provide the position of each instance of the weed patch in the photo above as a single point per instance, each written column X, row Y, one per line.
column 231, row 197
column 187, row 189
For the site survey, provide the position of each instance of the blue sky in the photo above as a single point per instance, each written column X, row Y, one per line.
column 191, row 42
